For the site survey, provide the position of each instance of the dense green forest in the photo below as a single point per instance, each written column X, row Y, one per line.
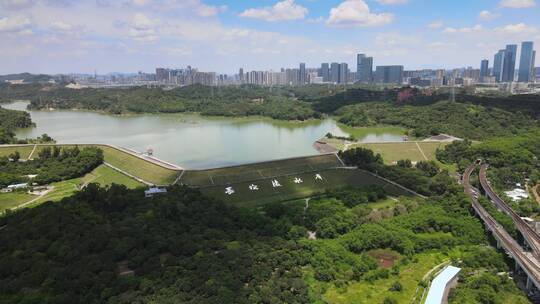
column 458, row 119
column 471, row 116
column 114, row 246
column 51, row 165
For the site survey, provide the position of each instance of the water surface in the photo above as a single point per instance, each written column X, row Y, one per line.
column 193, row 141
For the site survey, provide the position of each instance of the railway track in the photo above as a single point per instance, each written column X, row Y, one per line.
column 532, row 237
column 527, row 262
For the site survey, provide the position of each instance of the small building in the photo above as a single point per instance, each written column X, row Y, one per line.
column 154, row 191
column 441, row 285
column 18, row 186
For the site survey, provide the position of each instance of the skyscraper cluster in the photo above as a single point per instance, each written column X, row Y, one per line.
column 504, row 64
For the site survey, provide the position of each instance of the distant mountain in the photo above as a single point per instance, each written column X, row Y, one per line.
column 26, row 77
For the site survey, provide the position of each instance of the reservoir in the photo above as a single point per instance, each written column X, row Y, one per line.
column 194, row 141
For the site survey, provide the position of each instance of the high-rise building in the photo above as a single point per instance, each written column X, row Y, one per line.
column 162, row 75
column 484, row 69
column 343, row 73
column 498, row 63
column 302, row 74
column 509, row 64
column 364, row 68
column 526, row 62
column 334, row 72
column 389, row 74
column 325, row 72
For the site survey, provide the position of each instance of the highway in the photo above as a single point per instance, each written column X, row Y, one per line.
column 532, row 237
column 528, row 262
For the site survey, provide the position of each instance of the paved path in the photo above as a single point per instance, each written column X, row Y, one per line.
column 421, row 151
column 535, row 193
column 32, row 153
column 33, row 200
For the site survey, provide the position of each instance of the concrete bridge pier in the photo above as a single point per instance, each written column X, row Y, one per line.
column 518, row 268
column 529, row 285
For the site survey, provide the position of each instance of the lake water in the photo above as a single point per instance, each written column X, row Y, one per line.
column 193, row 141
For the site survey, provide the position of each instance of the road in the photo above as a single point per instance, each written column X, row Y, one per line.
column 528, row 262
column 532, row 237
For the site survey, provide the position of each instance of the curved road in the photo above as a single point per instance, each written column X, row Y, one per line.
column 528, row 262
column 532, row 237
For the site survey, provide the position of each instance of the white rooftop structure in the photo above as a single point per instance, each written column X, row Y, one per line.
column 18, row 186
column 438, row 290
column 153, row 191
column 517, row 194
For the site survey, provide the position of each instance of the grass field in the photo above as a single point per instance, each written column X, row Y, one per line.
column 415, row 151
column 106, row 176
column 409, row 276
column 12, row 200
column 244, row 173
column 23, row 150
column 135, row 166
column 289, row 190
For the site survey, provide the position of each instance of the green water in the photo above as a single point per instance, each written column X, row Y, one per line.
column 193, row 141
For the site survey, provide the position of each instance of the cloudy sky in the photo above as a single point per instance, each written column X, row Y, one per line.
column 61, row 36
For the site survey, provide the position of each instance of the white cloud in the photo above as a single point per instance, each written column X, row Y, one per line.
column 16, row 4
column 517, row 3
column 387, row 2
column 463, row 30
column 519, row 28
column 141, row 2
column 142, row 28
column 435, row 25
column 61, row 26
column 487, row 15
column 283, row 10
column 357, row 13
column 14, row 24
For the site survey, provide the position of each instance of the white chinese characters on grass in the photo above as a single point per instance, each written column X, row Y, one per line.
column 318, row 176
column 298, row 180
column 229, row 191
column 253, row 187
column 275, row 183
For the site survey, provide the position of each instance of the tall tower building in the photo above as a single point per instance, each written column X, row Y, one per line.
column 241, row 75
column 498, row 63
column 325, row 72
column 334, row 72
column 509, row 65
column 364, row 68
column 343, row 73
column 526, row 62
column 484, row 69
column 302, row 74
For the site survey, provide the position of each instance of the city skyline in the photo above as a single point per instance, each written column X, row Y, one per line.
column 48, row 36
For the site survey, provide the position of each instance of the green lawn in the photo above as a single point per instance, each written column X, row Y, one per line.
column 410, row 276
column 135, row 166
column 332, row 178
column 392, row 152
column 244, row 173
column 23, row 150
column 12, row 200
column 102, row 175
column 383, row 204
column 105, row 176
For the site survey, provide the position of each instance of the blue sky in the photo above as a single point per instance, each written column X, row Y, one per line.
column 62, row 36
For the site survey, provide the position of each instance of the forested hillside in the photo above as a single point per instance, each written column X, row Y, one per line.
column 115, row 246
